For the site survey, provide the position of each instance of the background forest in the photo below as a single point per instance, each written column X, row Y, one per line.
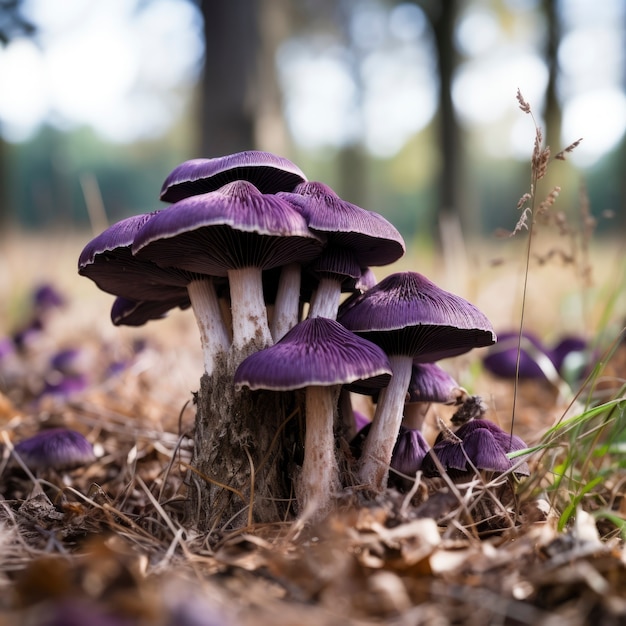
column 405, row 108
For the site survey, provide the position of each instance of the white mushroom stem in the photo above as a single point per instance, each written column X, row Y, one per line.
column 378, row 447
column 213, row 333
column 326, row 300
column 415, row 414
column 250, row 326
column 287, row 305
column 319, row 480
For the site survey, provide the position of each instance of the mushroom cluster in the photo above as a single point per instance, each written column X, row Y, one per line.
column 262, row 256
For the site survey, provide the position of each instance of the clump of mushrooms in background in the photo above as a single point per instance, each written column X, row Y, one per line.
column 272, row 405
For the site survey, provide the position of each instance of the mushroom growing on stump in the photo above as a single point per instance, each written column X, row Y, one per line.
column 237, row 232
column 355, row 239
column 268, row 172
column 108, row 261
column 411, row 319
column 318, row 355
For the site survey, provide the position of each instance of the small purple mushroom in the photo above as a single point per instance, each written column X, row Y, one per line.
column 266, row 171
column 429, row 383
column 46, row 297
column 56, row 449
column 319, row 355
column 409, row 451
column 571, row 357
column 413, row 320
column 478, row 444
column 534, row 360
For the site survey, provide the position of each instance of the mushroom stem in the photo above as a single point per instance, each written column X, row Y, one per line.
column 319, row 481
column 213, row 333
column 326, row 300
column 378, row 447
column 287, row 305
column 415, row 414
column 250, row 325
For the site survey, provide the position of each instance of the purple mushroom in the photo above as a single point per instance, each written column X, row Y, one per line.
column 57, row 449
column 429, row 383
column 571, row 357
column 237, row 232
column 266, row 171
column 45, row 298
column 319, row 355
column 125, row 312
column 534, row 360
column 409, row 452
column 108, row 261
column 413, row 320
column 477, row 445
column 355, row 239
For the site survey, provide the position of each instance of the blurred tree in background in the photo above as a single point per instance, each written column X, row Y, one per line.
column 397, row 105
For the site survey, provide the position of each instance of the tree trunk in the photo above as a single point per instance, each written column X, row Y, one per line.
column 450, row 175
column 247, row 448
column 229, row 80
column 553, row 107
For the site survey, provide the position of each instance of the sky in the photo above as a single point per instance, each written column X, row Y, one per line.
column 129, row 73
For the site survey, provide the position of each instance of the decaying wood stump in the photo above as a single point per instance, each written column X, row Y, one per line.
column 248, row 445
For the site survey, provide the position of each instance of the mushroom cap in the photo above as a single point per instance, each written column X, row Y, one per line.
column 569, row 349
column 55, row 448
column 405, row 313
column 431, row 383
column 409, row 451
column 373, row 239
column 338, row 263
column 266, row 171
column 483, row 442
column 108, row 261
column 125, row 312
column 46, row 297
column 501, row 359
column 234, row 227
column 317, row 351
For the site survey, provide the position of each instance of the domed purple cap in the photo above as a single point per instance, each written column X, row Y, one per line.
column 266, row 171
column 369, row 236
column 235, row 226
column 501, row 359
column 480, row 443
column 108, row 261
column 316, row 352
column 56, row 449
column 570, row 349
column 409, row 451
column 431, row 383
column 405, row 313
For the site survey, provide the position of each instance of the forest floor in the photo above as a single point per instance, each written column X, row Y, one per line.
column 108, row 543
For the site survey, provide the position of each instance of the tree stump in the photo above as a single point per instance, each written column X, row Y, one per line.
column 247, row 448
